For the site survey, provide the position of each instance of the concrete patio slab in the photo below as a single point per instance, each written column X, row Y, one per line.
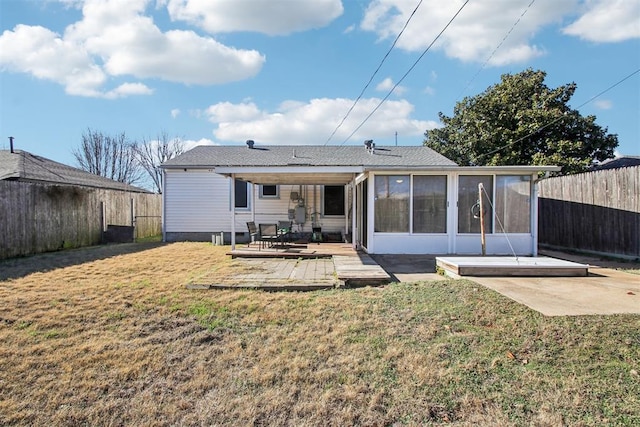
column 605, row 292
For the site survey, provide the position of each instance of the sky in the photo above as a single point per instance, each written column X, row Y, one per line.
column 221, row 72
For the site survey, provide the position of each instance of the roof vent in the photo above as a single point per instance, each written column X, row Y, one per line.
column 250, row 143
column 370, row 145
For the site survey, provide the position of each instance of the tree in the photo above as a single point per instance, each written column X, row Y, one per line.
column 151, row 154
column 521, row 121
column 112, row 157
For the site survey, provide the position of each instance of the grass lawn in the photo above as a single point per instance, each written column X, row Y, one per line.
column 111, row 336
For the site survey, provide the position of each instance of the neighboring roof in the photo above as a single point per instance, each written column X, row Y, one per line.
column 307, row 155
column 24, row 166
column 618, row 162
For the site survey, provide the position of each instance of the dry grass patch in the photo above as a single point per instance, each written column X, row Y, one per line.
column 110, row 336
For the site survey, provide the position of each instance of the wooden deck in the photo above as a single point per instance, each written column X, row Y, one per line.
column 351, row 268
column 293, row 250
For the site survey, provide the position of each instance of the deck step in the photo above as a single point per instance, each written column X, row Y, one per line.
column 360, row 270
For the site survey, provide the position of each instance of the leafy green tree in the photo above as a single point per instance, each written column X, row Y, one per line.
column 522, row 121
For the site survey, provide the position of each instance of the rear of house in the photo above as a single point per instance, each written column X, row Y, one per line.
column 381, row 199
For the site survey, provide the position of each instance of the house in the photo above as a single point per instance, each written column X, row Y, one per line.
column 19, row 165
column 388, row 199
column 47, row 206
column 617, row 162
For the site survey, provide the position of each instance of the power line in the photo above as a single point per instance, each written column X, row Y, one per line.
column 407, row 73
column 374, row 74
column 561, row 117
column 496, row 49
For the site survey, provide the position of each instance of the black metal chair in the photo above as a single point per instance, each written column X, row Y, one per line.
column 253, row 232
column 268, row 234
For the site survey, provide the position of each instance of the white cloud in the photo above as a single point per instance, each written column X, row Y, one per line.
column 115, row 38
column 190, row 143
column 228, row 112
column 312, row 122
column 603, row 104
column 127, row 89
column 607, row 21
column 429, row 90
column 273, row 17
column 387, row 84
column 43, row 54
column 474, row 34
column 175, row 112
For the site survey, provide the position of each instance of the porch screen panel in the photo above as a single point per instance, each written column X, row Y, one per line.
column 513, row 203
column 429, row 204
column 391, row 208
column 467, row 200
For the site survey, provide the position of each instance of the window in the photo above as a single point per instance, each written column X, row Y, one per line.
column 241, row 194
column 391, row 208
column 333, row 203
column 429, row 204
column 468, row 207
column 269, row 192
column 513, row 204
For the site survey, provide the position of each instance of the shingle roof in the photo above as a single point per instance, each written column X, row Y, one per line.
column 618, row 162
column 24, row 166
column 308, row 155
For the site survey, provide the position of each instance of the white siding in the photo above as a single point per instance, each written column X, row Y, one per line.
column 196, row 201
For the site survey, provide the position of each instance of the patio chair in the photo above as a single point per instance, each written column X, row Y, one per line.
column 316, row 234
column 268, row 234
column 284, row 228
column 253, row 232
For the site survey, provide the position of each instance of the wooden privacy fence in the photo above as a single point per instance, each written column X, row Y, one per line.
column 38, row 218
column 595, row 211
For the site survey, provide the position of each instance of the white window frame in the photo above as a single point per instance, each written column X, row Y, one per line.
column 269, row 196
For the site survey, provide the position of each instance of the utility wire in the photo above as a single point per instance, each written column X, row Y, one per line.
column 561, row 117
column 496, row 49
column 407, row 73
column 374, row 74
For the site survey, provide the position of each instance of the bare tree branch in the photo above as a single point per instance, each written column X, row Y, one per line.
column 112, row 157
column 150, row 154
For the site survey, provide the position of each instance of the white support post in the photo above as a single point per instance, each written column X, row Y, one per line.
column 346, row 209
column 354, row 211
column 233, row 211
column 163, row 207
column 254, row 188
column 534, row 217
column 483, row 242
